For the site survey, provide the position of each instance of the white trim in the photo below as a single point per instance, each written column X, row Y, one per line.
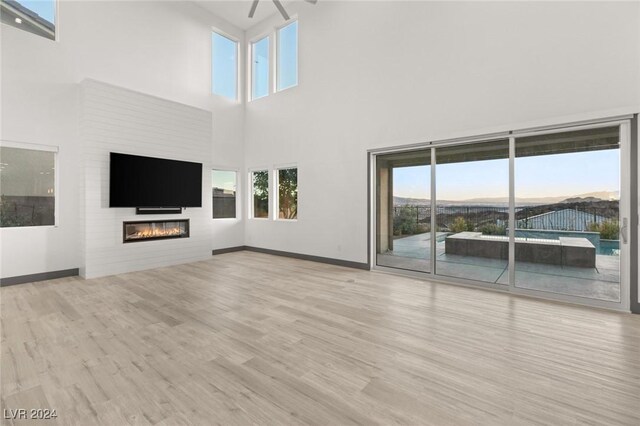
column 56, row 15
column 235, row 40
column 276, row 191
column 625, row 213
column 433, row 205
column 56, row 177
column 291, row 21
column 373, row 216
column 511, row 265
column 237, row 196
column 637, row 218
column 250, row 49
column 56, row 187
column 285, row 166
column 250, row 213
column 28, row 145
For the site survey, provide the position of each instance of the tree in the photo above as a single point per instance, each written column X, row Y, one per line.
column 261, row 193
column 288, row 193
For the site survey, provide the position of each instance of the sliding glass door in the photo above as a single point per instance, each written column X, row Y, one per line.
column 472, row 211
column 567, row 213
column 542, row 213
column 403, row 210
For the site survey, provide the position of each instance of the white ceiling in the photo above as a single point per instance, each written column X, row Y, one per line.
column 237, row 11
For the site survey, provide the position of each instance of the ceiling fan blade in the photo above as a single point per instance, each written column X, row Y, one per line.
column 253, row 8
column 281, row 9
column 311, row 1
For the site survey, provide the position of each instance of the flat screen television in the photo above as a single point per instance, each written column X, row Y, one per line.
column 136, row 181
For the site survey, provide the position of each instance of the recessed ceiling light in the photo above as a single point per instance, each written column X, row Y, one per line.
column 18, row 21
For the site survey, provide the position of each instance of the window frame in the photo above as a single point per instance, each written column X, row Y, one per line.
column 56, row 179
column 235, row 40
column 250, row 72
column 250, row 192
column 276, row 185
column 238, row 215
column 276, row 65
column 56, row 19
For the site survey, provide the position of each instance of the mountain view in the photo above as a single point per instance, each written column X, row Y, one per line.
column 497, row 201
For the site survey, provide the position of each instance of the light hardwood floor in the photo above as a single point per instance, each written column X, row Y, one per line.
column 248, row 338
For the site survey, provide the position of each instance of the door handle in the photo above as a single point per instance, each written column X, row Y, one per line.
column 623, row 230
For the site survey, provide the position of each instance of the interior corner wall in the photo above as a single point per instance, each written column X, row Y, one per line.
column 382, row 74
column 162, row 49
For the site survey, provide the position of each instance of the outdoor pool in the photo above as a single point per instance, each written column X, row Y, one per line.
column 603, row 247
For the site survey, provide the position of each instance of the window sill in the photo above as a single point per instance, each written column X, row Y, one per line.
column 30, row 227
column 284, row 89
column 225, row 99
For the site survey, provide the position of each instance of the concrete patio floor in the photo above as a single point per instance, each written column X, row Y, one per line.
column 413, row 253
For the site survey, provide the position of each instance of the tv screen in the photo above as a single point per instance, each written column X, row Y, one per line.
column 154, row 182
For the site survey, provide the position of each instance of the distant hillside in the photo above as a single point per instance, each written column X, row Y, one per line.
column 580, row 198
column 403, row 201
column 594, row 196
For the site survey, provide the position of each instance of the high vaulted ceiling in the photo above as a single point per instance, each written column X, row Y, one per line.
column 237, row 11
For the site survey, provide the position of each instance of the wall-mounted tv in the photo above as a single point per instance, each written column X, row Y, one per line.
column 136, row 181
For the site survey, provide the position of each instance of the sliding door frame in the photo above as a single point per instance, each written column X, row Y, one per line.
column 624, row 126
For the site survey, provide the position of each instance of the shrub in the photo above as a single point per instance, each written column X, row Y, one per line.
column 422, row 228
column 493, row 229
column 460, row 225
column 405, row 221
column 608, row 229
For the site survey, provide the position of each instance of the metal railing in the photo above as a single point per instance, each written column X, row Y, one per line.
column 548, row 217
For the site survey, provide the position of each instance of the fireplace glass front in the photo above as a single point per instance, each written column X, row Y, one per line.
column 155, row 230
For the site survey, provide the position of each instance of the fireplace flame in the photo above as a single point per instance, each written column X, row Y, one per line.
column 156, row 232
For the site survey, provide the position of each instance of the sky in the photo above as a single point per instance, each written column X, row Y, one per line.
column 287, row 61
column 536, row 176
column 45, row 8
column 224, row 73
column 223, row 179
column 288, row 56
column 260, row 70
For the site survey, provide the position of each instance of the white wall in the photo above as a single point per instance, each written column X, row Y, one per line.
column 379, row 74
column 158, row 48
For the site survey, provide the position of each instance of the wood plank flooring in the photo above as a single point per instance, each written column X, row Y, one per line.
column 247, row 338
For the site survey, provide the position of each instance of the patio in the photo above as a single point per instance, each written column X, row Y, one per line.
column 413, row 253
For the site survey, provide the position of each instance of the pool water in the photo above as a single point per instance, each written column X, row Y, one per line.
column 603, row 247
column 609, row 247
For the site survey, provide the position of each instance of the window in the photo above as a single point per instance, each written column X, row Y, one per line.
column 287, row 193
column 260, row 68
column 287, row 56
column 223, row 185
column 35, row 16
column 260, row 193
column 224, row 66
column 27, row 187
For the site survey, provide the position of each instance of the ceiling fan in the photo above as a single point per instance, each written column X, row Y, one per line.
column 279, row 6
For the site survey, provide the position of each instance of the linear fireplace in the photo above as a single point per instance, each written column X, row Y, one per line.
column 154, row 230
